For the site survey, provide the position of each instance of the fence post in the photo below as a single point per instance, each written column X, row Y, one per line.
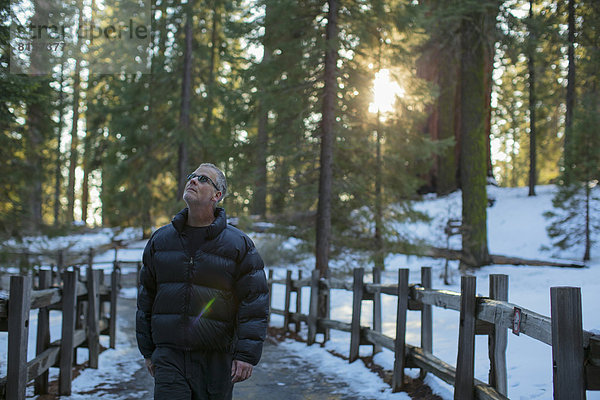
column 270, row 294
column 299, row 302
column 497, row 339
column 463, row 386
column 426, row 318
column 139, row 269
column 567, row 343
column 69, row 309
column 18, row 332
column 357, row 295
column 377, row 308
column 43, row 333
column 313, row 308
column 288, row 292
column 101, row 283
column 93, row 334
column 60, row 263
column 114, row 293
column 79, row 313
column 399, row 342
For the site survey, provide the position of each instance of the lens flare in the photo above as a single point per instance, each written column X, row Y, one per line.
column 205, row 309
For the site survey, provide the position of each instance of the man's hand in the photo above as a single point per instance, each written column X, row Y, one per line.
column 150, row 366
column 240, row 371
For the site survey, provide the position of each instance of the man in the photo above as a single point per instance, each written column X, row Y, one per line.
column 203, row 298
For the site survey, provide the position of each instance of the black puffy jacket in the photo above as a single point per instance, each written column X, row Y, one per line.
column 214, row 300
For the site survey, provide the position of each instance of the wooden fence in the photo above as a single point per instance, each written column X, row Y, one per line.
column 89, row 309
column 575, row 352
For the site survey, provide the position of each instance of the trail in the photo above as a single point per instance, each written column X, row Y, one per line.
column 281, row 374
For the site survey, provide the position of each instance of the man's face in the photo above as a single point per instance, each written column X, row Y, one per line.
column 201, row 193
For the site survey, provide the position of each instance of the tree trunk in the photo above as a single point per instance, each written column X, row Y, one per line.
column 37, row 123
column 473, row 159
column 323, row 236
column 588, row 239
column 184, row 116
column 439, row 64
column 570, row 99
column 85, row 190
column 489, row 51
column 532, row 103
column 379, row 255
column 446, row 180
column 35, row 120
column 489, row 37
column 259, row 199
column 57, row 173
column 73, row 158
column 379, row 252
column 281, row 185
column 327, row 142
column 214, row 45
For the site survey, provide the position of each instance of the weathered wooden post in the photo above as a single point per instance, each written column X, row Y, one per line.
column 357, row 296
column 79, row 313
column 43, row 333
column 567, row 343
column 314, row 305
column 69, row 310
column 102, row 302
column 18, row 332
column 399, row 342
column 497, row 339
column 288, row 293
column 377, row 308
column 298, row 302
column 465, row 364
column 114, row 293
column 60, row 264
column 93, row 332
column 270, row 283
column 137, row 276
column 426, row 318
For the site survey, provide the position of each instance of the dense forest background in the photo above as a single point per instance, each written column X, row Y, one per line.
column 280, row 95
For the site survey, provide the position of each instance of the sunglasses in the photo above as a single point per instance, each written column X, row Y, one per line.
column 203, row 179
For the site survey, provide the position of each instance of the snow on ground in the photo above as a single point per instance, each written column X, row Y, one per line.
column 114, row 364
column 515, row 227
column 75, row 242
column 361, row 382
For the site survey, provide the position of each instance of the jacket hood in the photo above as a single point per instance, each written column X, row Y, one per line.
column 213, row 230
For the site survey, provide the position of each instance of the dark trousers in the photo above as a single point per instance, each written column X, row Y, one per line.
column 186, row 375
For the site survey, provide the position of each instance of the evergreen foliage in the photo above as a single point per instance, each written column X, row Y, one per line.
column 510, row 128
column 575, row 219
column 257, row 93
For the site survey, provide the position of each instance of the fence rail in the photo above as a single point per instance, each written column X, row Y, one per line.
column 84, row 304
column 575, row 352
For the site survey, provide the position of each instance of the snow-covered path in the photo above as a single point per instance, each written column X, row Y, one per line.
column 284, row 372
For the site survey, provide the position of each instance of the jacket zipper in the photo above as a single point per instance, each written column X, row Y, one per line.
column 187, row 293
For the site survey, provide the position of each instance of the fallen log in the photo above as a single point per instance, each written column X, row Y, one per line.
column 450, row 254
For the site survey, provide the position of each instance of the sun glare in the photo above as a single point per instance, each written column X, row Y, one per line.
column 384, row 92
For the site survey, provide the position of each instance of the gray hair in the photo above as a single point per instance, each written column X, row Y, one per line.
column 221, row 181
